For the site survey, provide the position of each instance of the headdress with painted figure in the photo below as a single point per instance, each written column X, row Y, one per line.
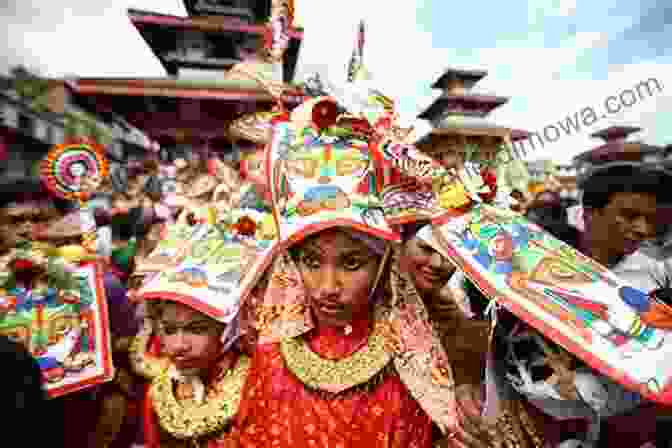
column 615, row 338
column 205, row 274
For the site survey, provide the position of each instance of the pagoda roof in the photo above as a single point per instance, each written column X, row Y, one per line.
column 224, row 89
column 615, row 132
column 166, row 108
column 480, row 104
column 468, row 77
column 202, row 23
column 618, row 151
column 476, row 130
column 160, row 32
column 261, row 9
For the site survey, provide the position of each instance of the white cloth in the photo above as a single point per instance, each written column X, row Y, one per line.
column 643, row 271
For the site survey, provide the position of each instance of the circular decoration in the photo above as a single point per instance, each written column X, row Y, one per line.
column 74, row 171
column 324, row 113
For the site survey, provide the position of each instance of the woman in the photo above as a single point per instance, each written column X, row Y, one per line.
column 465, row 340
column 346, row 355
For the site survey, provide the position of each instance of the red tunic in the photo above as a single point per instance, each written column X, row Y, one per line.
column 278, row 411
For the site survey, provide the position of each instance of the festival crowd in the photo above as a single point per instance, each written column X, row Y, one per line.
column 306, row 297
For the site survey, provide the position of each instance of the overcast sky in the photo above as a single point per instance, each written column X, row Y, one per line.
column 552, row 57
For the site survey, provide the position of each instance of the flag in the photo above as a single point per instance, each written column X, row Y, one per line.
column 356, row 61
column 360, row 39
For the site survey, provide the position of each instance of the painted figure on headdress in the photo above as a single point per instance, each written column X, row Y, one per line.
column 536, row 379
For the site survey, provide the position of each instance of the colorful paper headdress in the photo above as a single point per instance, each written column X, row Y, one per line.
column 207, row 275
column 325, row 175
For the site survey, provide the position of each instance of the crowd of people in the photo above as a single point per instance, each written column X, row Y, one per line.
column 276, row 303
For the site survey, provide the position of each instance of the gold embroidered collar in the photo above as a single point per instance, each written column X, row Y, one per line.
column 192, row 420
column 336, row 376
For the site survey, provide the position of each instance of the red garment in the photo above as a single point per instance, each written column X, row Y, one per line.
column 278, row 411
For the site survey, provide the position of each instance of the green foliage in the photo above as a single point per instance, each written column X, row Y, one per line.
column 80, row 124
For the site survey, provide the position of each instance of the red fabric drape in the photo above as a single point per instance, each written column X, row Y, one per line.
column 278, row 411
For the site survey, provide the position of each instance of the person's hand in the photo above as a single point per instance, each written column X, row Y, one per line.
column 470, row 431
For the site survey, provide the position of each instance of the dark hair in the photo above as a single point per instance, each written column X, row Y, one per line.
column 553, row 219
column 25, row 399
column 601, row 186
column 408, row 231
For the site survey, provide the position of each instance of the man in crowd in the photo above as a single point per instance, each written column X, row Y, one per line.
column 621, row 204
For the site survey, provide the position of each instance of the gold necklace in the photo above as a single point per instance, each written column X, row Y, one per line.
column 336, row 376
column 190, row 420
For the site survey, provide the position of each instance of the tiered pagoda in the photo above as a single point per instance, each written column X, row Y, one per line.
column 459, row 120
column 616, row 147
column 191, row 107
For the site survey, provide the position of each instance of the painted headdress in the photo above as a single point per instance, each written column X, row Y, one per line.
column 252, row 134
column 569, row 299
column 59, row 312
column 324, row 174
column 204, row 272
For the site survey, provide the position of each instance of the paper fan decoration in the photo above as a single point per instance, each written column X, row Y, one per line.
column 74, row 171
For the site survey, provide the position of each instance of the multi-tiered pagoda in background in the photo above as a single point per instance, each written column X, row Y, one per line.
column 617, row 148
column 459, row 120
column 190, row 108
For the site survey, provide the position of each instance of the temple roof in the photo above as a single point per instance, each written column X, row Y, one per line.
column 618, row 151
column 166, row 108
column 476, row 129
column 260, row 9
column 468, row 77
column 161, row 32
column 224, row 89
column 467, row 104
column 615, row 132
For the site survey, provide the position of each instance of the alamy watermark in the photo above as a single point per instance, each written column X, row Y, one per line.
column 585, row 117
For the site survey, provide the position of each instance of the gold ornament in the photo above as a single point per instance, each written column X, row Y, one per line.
column 191, row 420
column 336, row 376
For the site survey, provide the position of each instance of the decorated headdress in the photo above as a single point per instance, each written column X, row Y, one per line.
column 206, row 275
column 325, row 175
column 37, row 287
column 252, row 133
